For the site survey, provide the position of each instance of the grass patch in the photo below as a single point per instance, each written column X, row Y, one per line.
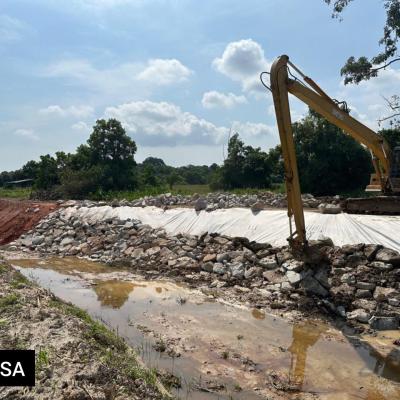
column 114, row 352
column 3, row 268
column 20, row 281
column 42, row 360
column 9, row 301
column 3, row 323
column 15, row 193
column 96, row 330
column 128, row 365
column 129, row 194
column 191, row 189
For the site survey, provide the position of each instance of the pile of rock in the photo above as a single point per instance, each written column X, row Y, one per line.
column 214, row 201
column 360, row 283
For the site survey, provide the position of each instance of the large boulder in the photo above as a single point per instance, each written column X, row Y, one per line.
column 200, row 204
column 382, row 293
column 384, row 323
column 388, row 256
column 359, row 315
column 312, row 286
column 237, row 270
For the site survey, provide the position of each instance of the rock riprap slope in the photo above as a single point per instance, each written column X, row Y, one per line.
column 360, row 283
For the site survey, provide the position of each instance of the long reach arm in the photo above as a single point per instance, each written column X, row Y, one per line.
column 319, row 101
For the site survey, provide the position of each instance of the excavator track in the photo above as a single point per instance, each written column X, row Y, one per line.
column 379, row 205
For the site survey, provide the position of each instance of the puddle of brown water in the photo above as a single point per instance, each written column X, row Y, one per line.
column 219, row 342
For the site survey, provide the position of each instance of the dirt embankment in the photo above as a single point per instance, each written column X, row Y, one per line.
column 19, row 216
column 76, row 357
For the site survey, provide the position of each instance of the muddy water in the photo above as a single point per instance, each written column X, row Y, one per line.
column 220, row 351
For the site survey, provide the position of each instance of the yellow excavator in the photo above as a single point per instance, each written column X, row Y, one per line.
column 386, row 162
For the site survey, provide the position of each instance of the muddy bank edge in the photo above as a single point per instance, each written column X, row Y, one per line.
column 76, row 357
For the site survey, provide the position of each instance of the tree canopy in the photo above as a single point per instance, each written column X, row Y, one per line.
column 363, row 68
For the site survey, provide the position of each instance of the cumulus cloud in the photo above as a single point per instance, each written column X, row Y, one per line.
column 162, row 123
column 243, row 61
column 27, row 134
column 214, row 99
column 164, row 72
column 80, row 72
column 366, row 100
column 80, row 126
column 12, row 29
column 71, row 111
column 120, row 79
column 165, row 124
column 252, row 130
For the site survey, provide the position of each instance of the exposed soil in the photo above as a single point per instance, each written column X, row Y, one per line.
column 76, row 358
column 19, row 216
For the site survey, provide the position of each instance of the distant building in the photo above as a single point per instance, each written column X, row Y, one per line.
column 20, row 183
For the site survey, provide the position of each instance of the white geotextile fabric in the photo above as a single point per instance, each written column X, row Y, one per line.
column 269, row 226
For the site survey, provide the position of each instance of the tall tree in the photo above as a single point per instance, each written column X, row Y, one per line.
column 363, row 68
column 245, row 166
column 329, row 161
column 111, row 148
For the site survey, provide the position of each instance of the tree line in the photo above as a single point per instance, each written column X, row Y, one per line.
column 329, row 161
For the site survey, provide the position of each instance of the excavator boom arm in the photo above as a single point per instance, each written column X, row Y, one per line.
column 319, row 101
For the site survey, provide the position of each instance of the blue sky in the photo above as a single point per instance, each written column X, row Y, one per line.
column 178, row 73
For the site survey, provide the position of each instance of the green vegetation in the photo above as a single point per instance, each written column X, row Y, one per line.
column 363, row 68
column 9, row 301
column 19, row 281
column 15, row 193
column 42, row 360
column 330, row 162
column 113, row 350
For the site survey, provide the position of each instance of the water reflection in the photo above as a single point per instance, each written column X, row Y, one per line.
column 114, row 293
column 318, row 365
column 304, row 336
column 257, row 314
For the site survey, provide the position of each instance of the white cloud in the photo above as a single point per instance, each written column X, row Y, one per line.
column 81, row 126
column 164, row 72
column 214, row 99
column 165, row 124
column 131, row 78
column 27, row 133
column 243, row 61
column 251, row 130
column 12, row 29
column 71, row 111
column 366, row 100
column 161, row 123
column 81, row 72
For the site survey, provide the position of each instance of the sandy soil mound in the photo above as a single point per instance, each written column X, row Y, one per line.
column 19, row 216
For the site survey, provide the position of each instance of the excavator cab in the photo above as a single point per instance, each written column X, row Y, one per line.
column 393, row 179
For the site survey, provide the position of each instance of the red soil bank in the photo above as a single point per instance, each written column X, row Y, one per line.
column 19, row 216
